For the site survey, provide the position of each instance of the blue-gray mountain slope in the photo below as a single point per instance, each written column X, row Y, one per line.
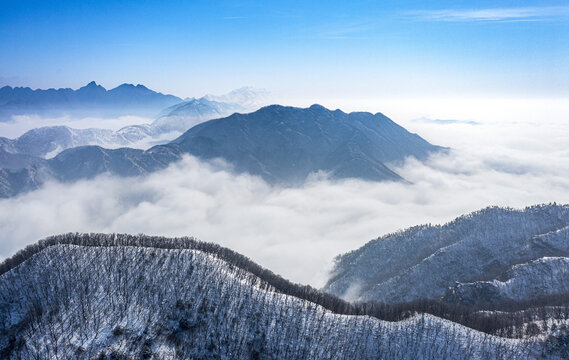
column 283, row 145
column 90, row 100
column 286, row 144
column 48, row 141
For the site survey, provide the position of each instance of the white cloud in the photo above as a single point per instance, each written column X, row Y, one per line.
column 516, row 161
column 494, row 14
column 19, row 124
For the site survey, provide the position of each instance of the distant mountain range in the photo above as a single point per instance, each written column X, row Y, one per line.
column 48, row 141
column 283, row 145
column 97, row 296
column 488, row 257
column 90, row 100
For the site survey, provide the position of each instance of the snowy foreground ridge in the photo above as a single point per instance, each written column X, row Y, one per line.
column 119, row 296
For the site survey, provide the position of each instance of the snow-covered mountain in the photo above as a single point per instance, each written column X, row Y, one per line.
column 182, row 116
column 90, row 100
column 528, row 281
column 117, row 296
column 489, row 256
column 46, row 142
column 283, row 145
column 247, row 96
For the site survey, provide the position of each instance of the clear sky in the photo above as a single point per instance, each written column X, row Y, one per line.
column 320, row 49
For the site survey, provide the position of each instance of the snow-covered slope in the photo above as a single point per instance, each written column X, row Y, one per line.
column 247, row 96
column 48, row 141
column 424, row 261
column 182, row 116
column 522, row 282
column 179, row 302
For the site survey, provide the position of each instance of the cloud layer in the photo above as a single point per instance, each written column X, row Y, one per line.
column 297, row 231
column 494, row 14
column 19, row 124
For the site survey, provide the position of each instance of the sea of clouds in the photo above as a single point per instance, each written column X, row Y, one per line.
column 508, row 153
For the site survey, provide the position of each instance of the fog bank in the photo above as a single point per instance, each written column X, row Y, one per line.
column 297, row 231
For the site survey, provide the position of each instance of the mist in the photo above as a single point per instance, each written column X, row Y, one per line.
column 19, row 124
column 516, row 158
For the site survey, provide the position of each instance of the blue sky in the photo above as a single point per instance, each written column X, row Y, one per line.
column 313, row 49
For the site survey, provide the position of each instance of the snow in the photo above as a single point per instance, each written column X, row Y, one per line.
column 48, row 141
column 425, row 261
column 181, row 303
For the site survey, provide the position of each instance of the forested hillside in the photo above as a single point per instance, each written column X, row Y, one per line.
column 504, row 251
column 119, row 296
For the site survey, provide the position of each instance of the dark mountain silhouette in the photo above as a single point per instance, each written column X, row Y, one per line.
column 90, row 100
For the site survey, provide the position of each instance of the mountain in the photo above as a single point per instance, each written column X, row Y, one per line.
column 528, row 281
column 48, row 141
column 11, row 158
column 181, row 117
column 90, row 100
column 247, row 96
column 489, row 256
column 118, row 296
column 86, row 162
column 284, row 145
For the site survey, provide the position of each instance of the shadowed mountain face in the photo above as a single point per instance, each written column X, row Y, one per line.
column 90, row 100
column 286, row 144
column 283, row 145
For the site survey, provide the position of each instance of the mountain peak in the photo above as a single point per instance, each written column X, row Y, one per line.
column 286, row 144
column 318, row 107
column 247, row 96
column 125, row 85
column 92, row 86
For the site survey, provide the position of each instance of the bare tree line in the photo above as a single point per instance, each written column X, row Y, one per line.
column 507, row 319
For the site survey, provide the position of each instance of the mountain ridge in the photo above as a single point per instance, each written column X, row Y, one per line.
column 435, row 262
column 366, row 141
column 179, row 296
column 91, row 99
column 283, row 145
column 48, row 141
